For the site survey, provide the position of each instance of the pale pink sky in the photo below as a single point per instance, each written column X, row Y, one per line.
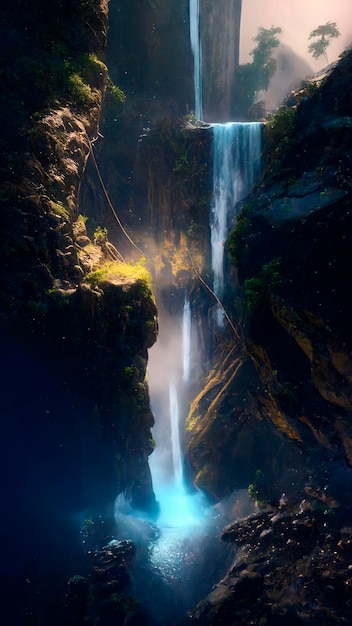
column 297, row 19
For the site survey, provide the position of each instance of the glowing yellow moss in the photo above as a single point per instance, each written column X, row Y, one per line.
column 120, row 273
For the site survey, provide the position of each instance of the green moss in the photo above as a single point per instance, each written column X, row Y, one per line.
column 116, row 96
column 116, row 271
column 82, row 94
column 182, row 163
column 256, row 487
column 279, row 129
column 258, row 288
column 100, row 235
column 93, row 70
column 235, row 240
column 192, row 423
column 130, row 372
column 203, row 478
column 57, row 296
column 57, row 208
column 141, row 397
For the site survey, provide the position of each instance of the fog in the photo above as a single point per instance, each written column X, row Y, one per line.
column 297, row 18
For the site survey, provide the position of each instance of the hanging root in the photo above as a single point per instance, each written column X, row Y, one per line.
column 233, row 327
column 109, row 201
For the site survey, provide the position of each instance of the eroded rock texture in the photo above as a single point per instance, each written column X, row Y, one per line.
column 278, row 409
column 75, row 405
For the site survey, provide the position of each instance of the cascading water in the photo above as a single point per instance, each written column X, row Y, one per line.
column 194, row 20
column 236, row 149
column 168, row 375
column 175, row 437
column 185, row 520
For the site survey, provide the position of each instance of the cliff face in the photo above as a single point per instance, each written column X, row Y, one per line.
column 76, row 321
column 149, row 56
column 279, row 406
column 290, row 248
column 220, row 34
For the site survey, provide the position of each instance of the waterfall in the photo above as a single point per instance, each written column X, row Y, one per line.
column 236, row 150
column 175, row 436
column 186, row 340
column 194, row 20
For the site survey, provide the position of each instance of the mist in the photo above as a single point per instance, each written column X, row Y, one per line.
column 297, row 18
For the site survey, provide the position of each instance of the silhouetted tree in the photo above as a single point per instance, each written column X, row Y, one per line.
column 254, row 77
column 323, row 35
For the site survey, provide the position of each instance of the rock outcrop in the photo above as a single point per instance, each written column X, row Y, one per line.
column 281, row 425
column 289, row 567
column 76, row 320
column 291, row 251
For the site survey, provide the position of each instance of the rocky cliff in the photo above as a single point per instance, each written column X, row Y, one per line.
column 76, row 320
column 277, row 406
column 272, row 417
column 220, row 36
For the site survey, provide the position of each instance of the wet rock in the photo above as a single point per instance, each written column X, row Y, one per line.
column 295, row 573
column 105, row 593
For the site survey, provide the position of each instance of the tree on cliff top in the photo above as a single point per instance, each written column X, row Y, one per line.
column 264, row 64
column 254, row 77
column 323, row 35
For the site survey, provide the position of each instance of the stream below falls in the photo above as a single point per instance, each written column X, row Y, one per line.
column 177, row 564
column 179, row 556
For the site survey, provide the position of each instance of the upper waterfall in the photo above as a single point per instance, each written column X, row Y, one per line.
column 237, row 149
column 194, row 20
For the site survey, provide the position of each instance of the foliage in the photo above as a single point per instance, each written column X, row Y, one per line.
column 235, row 239
column 322, row 35
column 255, row 76
column 264, row 64
column 279, row 128
column 93, row 69
column 81, row 93
column 58, row 66
column 116, row 96
column 152, row 443
column 100, row 236
column 182, row 164
column 308, row 89
column 56, row 208
column 256, row 486
column 279, row 137
column 258, row 288
column 130, row 373
column 85, row 76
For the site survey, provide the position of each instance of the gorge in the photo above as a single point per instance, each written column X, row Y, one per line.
column 165, row 461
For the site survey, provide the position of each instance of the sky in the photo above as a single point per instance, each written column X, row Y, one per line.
column 297, row 18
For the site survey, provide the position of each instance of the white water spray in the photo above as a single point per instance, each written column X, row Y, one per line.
column 186, row 340
column 168, row 367
column 237, row 148
column 175, row 436
column 194, row 20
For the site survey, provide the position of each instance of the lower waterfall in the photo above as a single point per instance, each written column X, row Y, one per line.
column 168, row 376
column 182, row 545
column 175, row 436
